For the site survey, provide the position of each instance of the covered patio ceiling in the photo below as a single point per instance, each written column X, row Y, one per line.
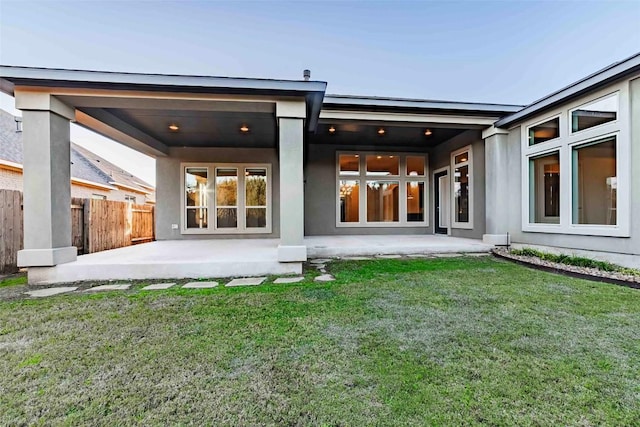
column 397, row 134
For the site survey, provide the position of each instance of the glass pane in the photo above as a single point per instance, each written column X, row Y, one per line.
column 594, row 114
column 226, row 187
column 195, row 181
column 196, row 218
column 544, row 131
column 255, row 183
column 544, row 193
column 256, row 217
column 349, row 201
column 383, row 201
column 461, row 193
column 595, row 183
column 227, row 217
column 349, row 164
column 415, row 166
column 461, row 158
column 382, row 165
column 415, row 201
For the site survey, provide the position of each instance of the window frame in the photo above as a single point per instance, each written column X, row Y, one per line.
column 568, row 140
column 452, row 200
column 402, row 179
column 545, row 120
column 212, row 205
column 590, row 102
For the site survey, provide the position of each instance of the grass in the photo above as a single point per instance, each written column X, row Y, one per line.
column 575, row 261
column 453, row 341
column 13, row 281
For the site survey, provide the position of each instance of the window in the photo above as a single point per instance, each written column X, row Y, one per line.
column 130, row 199
column 255, row 197
column 349, row 201
column 595, row 182
column 226, row 197
column 462, row 188
column 235, row 200
column 579, row 181
column 99, row 197
column 544, row 132
column 596, row 113
column 381, row 189
column 545, row 189
column 196, row 181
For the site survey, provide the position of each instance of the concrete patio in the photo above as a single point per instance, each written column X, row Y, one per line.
column 177, row 259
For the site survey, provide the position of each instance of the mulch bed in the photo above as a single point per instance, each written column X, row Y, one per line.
column 594, row 274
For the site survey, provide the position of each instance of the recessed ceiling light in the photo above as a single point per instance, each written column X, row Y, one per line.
column 332, row 129
column 378, row 157
column 356, row 156
column 463, row 159
column 244, row 128
column 428, row 132
column 173, row 127
column 381, row 131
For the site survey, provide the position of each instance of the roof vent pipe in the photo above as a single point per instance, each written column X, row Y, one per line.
column 307, row 75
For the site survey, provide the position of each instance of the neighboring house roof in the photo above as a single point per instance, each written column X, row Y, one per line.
column 113, row 173
column 607, row 75
column 85, row 165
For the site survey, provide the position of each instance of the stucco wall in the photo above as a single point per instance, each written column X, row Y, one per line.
column 441, row 157
column 320, row 192
column 625, row 245
column 168, row 190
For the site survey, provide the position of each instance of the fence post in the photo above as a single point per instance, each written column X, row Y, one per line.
column 87, row 226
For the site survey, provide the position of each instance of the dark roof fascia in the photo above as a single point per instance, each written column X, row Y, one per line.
column 372, row 103
column 614, row 72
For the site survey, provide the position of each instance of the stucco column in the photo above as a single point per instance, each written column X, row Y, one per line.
column 497, row 178
column 46, row 180
column 291, row 115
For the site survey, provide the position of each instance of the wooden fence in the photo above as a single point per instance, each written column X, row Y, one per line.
column 96, row 225
column 10, row 228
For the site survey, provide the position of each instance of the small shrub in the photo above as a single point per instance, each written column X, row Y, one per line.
column 575, row 261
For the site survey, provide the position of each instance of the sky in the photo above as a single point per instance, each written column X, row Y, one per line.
column 502, row 52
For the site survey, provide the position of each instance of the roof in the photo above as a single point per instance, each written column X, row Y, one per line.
column 312, row 91
column 607, row 75
column 406, row 104
column 85, row 164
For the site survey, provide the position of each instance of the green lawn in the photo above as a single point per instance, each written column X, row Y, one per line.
column 454, row 341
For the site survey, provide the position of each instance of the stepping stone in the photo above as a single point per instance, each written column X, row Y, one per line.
column 320, row 266
column 356, row 258
column 389, row 256
column 447, row 255
column 51, row 291
column 419, row 256
column 288, row 280
column 157, row 286
column 478, row 254
column 247, row 281
column 121, row 287
column 199, row 285
column 320, row 261
column 324, row 278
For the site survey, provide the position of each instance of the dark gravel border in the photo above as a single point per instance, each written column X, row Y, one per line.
column 554, row 267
